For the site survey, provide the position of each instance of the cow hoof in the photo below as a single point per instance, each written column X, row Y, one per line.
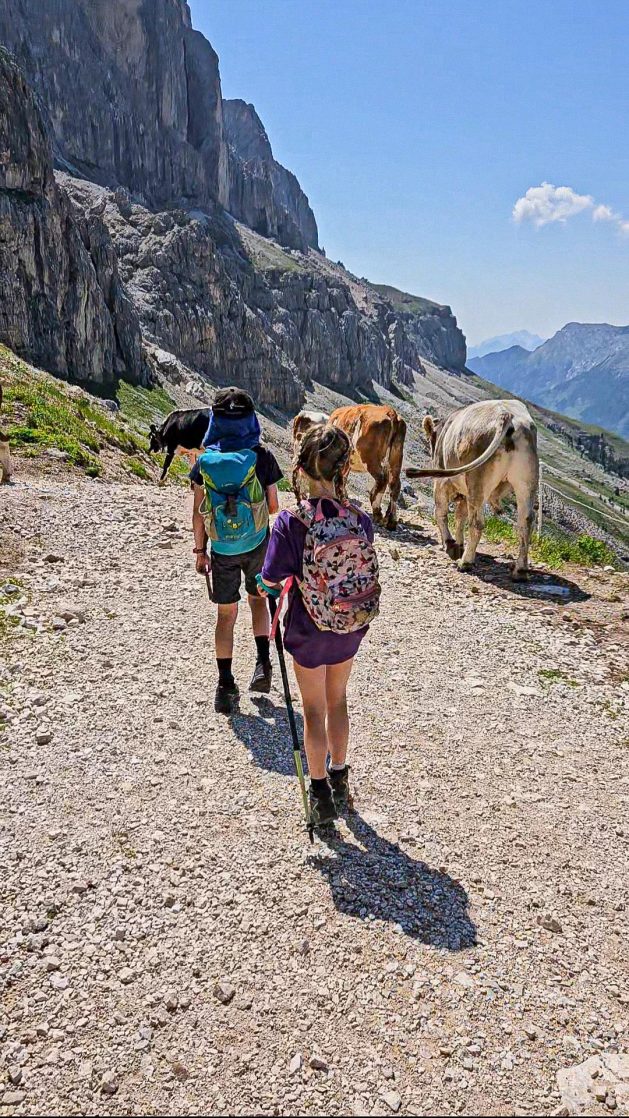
column 519, row 576
column 453, row 549
column 464, row 566
column 376, row 516
column 391, row 525
column 162, row 483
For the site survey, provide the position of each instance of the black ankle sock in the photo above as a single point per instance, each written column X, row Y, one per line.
column 321, row 788
column 224, row 670
column 262, row 645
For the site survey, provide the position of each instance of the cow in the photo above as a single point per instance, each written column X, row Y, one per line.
column 480, row 453
column 182, row 428
column 376, row 432
column 304, row 421
column 5, row 457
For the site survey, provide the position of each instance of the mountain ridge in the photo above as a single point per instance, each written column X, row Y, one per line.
column 523, row 338
column 583, row 371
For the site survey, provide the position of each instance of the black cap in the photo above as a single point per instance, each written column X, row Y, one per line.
column 234, row 402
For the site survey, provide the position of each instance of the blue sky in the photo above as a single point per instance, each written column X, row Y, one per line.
column 414, row 126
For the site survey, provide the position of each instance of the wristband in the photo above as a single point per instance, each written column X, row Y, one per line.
column 272, row 591
column 199, row 550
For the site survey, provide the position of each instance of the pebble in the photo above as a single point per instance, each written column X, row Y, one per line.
column 551, row 923
column 109, row 1083
column 224, row 991
column 296, row 1064
column 392, row 1100
column 44, row 735
column 126, row 976
column 318, row 1064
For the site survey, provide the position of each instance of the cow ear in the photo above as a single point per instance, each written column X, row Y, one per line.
column 152, row 428
column 429, row 426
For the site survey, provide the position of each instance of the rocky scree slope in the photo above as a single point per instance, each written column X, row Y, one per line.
column 156, row 161
column 582, row 370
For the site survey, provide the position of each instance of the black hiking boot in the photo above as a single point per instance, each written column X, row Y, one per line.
column 322, row 808
column 339, row 783
column 262, row 676
column 226, row 697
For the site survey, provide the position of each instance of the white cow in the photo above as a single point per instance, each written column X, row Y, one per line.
column 479, row 454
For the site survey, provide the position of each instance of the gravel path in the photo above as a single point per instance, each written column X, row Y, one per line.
column 169, row 941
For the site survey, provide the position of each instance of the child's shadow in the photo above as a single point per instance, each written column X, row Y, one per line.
column 269, row 742
column 382, row 881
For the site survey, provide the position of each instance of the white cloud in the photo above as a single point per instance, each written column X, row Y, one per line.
column 604, row 213
column 547, row 203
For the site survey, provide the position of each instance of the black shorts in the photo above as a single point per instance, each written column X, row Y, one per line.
column 227, row 572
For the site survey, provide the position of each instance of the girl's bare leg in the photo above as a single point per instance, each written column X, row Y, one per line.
column 336, row 678
column 312, row 685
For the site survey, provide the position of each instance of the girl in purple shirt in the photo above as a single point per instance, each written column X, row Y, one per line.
column 322, row 660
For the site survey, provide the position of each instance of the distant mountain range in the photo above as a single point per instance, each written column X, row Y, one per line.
column 522, row 338
column 583, row 371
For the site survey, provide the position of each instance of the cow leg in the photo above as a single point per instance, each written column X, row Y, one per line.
column 476, row 521
column 170, row 454
column 525, row 497
column 376, row 493
column 442, row 505
column 460, row 518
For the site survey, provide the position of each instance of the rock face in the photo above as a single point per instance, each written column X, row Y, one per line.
column 61, row 301
column 431, row 326
column 263, row 194
column 168, row 233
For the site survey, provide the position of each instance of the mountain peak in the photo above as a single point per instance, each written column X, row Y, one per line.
column 502, row 342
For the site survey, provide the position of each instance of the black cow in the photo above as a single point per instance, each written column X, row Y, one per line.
column 181, row 429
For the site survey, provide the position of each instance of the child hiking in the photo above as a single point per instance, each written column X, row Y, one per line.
column 323, row 554
column 235, row 489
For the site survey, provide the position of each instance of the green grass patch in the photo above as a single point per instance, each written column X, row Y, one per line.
column 499, row 530
column 143, row 405
column 138, row 469
column 554, row 548
column 45, row 414
column 554, row 675
column 284, row 485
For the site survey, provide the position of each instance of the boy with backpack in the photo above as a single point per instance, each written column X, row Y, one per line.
column 235, row 489
column 325, row 553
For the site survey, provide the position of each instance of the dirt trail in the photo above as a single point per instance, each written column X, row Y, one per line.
column 171, row 944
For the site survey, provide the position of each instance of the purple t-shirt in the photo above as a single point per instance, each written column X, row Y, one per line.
column 310, row 646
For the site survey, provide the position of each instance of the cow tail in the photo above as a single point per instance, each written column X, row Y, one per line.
column 396, row 452
column 456, row 471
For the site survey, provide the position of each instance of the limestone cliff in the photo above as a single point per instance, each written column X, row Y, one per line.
column 170, row 225
column 262, row 193
column 61, row 301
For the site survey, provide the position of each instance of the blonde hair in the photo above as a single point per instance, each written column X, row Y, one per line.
column 323, row 455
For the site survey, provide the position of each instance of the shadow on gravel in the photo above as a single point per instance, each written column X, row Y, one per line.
column 497, row 572
column 382, row 881
column 267, row 736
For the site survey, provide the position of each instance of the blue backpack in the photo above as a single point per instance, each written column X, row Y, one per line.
column 234, row 507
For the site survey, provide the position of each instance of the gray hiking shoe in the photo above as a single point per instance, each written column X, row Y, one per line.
column 226, row 698
column 322, row 809
column 339, row 783
column 262, row 676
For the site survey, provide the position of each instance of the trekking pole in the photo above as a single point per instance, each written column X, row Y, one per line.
column 299, row 768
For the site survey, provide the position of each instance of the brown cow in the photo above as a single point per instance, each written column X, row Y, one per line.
column 480, row 453
column 376, row 433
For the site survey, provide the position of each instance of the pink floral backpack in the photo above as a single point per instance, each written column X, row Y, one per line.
column 339, row 584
